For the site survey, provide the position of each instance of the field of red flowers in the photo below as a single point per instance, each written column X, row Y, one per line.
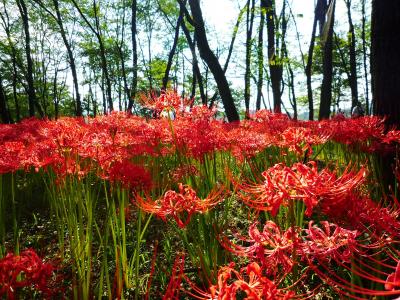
column 190, row 207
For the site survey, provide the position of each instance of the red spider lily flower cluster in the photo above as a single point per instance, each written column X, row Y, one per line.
column 130, row 175
column 299, row 182
column 167, row 100
column 73, row 146
column 24, row 270
column 277, row 249
column 180, row 205
column 329, row 242
column 249, row 280
column 272, row 247
column 301, row 139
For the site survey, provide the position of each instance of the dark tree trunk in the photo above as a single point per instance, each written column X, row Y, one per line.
column 260, row 58
column 364, row 47
column 212, row 62
column 71, row 59
column 321, row 9
column 385, row 60
column 319, row 16
column 4, row 113
column 326, row 88
column 134, row 56
column 249, row 33
column 385, row 70
column 29, row 76
column 275, row 65
column 173, row 50
column 123, row 71
column 353, row 58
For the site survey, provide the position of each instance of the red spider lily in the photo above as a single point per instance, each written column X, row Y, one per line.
column 272, row 247
column 393, row 280
column 197, row 137
column 355, row 131
column 182, row 205
column 328, row 242
column 245, row 143
column 168, row 100
column 392, row 136
column 362, row 213
column 300, row 139
column 11, row 154
column 34, row 273
column 201, row 112
column 130, row 176
column 300, row 182
column 231, row 283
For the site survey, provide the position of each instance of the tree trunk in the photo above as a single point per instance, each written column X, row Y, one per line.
column 385, row 60
column 173, row 50
column 134, row 56
column 385, row 67
column 212, row 62
column 260, row 58
column 71, row 60
column 353, row 58
column 364, row 47
column 249, row 33
column 29, row 76
column 275, row 64
column 326, row 88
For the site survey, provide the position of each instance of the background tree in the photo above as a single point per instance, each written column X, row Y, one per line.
column 385, row 60
column 212, row 62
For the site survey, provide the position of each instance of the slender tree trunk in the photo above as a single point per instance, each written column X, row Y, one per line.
column 212, row 62
column 29, row 76
column 134, row 55
column 173, row 50
column 104, row 65
column 309, row 66
column 353, row 58
column 260, row 55
column 326, row 88
column 364, row 47
column 249, row 33
column 71, row 59
column 275, row 65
